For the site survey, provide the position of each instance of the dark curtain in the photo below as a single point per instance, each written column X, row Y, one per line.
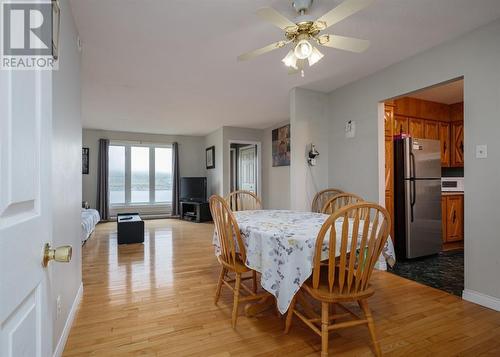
column 176, row 180
column 102, row 179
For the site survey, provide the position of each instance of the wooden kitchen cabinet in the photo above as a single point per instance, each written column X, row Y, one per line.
column 457, row 138
column 389, row 162
column 444, row 137
column 389, row 206
column 416, row 128
column 444, row 216
column 400, row 125
column 388, row 121
column 431, row 130
column 454, row 218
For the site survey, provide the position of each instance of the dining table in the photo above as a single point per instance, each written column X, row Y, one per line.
column 280, row 245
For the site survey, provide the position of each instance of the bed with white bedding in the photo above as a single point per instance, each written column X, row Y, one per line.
column 90, row 218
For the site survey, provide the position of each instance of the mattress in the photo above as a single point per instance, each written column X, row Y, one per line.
column 90, row 218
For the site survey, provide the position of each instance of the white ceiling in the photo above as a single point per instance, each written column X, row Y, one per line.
column 170, row 66
column 448, row 93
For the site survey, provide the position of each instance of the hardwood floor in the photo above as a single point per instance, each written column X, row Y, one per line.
column 156, row 299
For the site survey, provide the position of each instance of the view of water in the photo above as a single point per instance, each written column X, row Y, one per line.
column 140, row 196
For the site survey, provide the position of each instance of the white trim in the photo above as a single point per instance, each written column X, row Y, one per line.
column 69, row 322
column 476, row 297
column 140, row 143
column 381, row 153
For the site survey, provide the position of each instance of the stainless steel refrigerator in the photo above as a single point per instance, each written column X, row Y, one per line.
column 417, row 197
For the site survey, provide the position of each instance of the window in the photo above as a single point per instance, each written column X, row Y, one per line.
column 140, row 175
column 163, row 175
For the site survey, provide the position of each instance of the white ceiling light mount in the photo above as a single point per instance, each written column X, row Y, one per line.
column 304, row 31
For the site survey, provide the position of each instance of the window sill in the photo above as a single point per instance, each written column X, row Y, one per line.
column 133, row 205
column 142, row 209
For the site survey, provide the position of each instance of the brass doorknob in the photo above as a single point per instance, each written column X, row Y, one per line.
column 61, row 254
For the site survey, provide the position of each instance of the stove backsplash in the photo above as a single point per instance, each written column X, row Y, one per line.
column 452, row 172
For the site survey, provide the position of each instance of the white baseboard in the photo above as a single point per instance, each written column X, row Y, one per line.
column 481, row 299
column 69, row 322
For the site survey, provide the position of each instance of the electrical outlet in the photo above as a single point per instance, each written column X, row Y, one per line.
column 58, row 306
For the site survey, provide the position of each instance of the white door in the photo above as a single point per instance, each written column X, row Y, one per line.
column 25, row 213
column 247, row 170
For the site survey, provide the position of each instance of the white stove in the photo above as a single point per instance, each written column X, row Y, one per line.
column 452, row 184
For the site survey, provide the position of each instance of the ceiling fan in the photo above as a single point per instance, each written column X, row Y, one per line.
column 306, row 30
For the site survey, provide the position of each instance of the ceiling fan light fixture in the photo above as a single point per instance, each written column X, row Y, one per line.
column 290, row 60
column 315, row 56
column 303, row 49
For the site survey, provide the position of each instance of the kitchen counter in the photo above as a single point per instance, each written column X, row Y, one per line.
column 452, row 193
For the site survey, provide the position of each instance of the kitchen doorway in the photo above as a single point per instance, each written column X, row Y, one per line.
column 423, row 187
column 244, row 168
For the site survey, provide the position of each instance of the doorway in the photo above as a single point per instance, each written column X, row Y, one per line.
column 244, row 167
column 423, row 184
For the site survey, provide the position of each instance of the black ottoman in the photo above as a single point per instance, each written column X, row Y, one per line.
column 130, row 228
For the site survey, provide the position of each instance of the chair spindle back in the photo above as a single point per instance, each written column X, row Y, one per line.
column 363, row 237
column 338, row 201
column 228, row 232
column 243, row 201
column 322, row 197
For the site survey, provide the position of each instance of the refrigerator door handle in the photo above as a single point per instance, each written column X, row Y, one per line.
column 413, row 197
column 412, row 166
column 412, row 185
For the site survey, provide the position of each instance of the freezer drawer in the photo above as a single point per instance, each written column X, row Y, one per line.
column 423, row 217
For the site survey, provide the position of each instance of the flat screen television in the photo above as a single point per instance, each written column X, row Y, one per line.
column 193, row 189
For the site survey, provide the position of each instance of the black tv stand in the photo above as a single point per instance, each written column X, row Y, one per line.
column 195, row 211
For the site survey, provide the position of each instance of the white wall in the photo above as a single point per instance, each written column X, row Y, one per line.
column 354, row 163
column 66, row 173
column 214, row 176
column 275, row 180
column 191, row 159
column 308, row 125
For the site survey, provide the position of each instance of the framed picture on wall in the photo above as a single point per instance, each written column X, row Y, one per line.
column 281, row 146
column 210, row 157
column 85, row 161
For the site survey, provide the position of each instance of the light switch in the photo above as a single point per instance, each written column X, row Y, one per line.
column 481, row 151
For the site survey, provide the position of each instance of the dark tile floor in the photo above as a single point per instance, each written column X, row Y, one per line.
column 444, row 271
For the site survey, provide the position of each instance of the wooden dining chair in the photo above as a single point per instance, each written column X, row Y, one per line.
column 338, row 201
column 334, row 284
column 232, row 257
column 243, row 201
column 322, row 197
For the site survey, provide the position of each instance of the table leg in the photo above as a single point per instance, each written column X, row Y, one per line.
column 266, row 303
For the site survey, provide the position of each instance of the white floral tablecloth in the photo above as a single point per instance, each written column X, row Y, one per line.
column 280, row 245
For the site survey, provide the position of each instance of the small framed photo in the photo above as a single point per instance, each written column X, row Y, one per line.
column 210, row 157
column 85, row 161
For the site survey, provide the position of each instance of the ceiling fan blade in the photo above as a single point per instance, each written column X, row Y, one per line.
column 344, row 43
column 346, row 9
column 261, row 51
column 274, row 17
